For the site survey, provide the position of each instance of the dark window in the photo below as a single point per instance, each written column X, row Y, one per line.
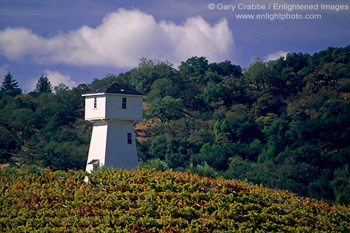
column 124, row 103
column 129, row 138
column 95, row 102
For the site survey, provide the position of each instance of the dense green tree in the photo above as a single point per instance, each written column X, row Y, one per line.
column 268, row 104
column 43, row 85
column 216, row 156
column 25, row 101
column 62, row 155
column 237, row 91
column 238, row 168
column 214, row 93
column 8, row 145
column 194, row 67
column 161, row 88
column 226, row 69
column 177, row 153
column 341, row 184
column 158, row 147
column 297, row 61
column 10, row 86
column 321, row 187
column 276, row 139
column 148, row 70
column 61, row 88
column 238, row 128
column 203, row 170
column 154, row 164
column 257, row 74
column 165, row 109
column 189, row 93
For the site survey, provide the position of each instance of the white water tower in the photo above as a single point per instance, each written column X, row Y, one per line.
column 113, row 110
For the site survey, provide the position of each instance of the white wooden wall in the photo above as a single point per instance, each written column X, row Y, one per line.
column 109, row 145
column 110, row 107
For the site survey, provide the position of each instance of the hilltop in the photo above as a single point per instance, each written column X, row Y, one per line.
column 282, row 123
column 153, row 201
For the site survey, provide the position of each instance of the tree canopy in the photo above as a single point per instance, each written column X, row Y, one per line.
column 282, row 123
column 43, row 85
column 10, row 86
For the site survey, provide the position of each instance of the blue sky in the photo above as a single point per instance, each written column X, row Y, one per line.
column 75, row 41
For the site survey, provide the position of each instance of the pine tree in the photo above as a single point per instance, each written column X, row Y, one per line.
column 43, row 85
column 10, row 86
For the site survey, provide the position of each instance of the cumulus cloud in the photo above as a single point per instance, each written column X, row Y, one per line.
column 55, row 78
column 197, row 37
column 121, row 40
column 276, row 55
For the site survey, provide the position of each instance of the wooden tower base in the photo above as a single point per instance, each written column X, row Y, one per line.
column 112, row 145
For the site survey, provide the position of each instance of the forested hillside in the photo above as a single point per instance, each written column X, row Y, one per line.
column 284, row 123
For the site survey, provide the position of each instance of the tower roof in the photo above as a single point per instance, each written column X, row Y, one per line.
column 115, row 88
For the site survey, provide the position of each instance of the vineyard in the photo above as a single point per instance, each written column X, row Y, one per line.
column 152, row 201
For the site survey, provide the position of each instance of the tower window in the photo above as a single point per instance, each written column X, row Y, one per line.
column 123, row 103
column 95, row 102
column 129, row 138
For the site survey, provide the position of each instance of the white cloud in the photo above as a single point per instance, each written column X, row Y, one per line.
column 121, row 40
column 55, row 78
column 197, row 37
column 30, row 85
column 275, row 56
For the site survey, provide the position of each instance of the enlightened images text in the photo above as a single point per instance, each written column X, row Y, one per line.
column 278, row 7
